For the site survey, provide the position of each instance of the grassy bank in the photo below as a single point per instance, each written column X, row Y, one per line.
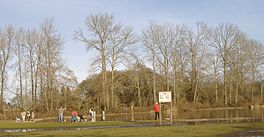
column 203, row 130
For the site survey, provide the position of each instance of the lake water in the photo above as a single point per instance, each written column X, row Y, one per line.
column 190, row 117
column 205, row 115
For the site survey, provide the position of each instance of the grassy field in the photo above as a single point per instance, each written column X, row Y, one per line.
column 203, row 130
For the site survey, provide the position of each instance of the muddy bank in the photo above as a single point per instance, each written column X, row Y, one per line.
column 246, row 133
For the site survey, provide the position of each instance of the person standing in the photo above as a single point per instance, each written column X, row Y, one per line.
column 156, row 110
column 60, row 114
column 23, row 115
column 28, row 115
column 91, row 113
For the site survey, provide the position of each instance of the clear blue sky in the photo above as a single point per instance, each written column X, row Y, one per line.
column 68, row 15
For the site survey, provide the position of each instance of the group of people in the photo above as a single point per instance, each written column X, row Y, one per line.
column 30, row 115
column 75, row 117
column 25, row 116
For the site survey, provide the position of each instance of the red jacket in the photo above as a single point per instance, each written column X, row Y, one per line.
column 156, row 107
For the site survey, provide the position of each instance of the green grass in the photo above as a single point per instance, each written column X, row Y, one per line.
column 203, row 130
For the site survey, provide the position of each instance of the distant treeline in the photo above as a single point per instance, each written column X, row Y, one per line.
column 201, row 65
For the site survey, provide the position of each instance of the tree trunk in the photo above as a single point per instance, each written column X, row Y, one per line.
column 174, row 83
column 32, row 77
column 237, row 86
column 215, row 79
column 167, row 74
column 65, row 97
column 225, row 82
column 196, row 89
column 253, row 87
column 216, row 92
column 20, row 73
column 261, row 93
column 104, row 78
column 154, row 80
column 194, row 71
column 230, row 91
column 2, row 84
column 112, row 85
column 139, row 91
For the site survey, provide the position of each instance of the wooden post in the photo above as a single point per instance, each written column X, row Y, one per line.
column 132, row 112
column 165, row 97
column 171, row 113
column 261, row 92
column 4, row 111
column 160, row 117
column 262, row 115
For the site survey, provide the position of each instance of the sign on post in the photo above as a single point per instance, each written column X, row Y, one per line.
column 165, row 96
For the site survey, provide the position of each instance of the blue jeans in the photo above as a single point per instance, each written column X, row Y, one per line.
column 60, row 119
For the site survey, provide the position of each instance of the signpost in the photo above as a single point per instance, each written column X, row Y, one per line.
column 165, row 97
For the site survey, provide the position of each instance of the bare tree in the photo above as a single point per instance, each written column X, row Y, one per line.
column 148, row 43
column 261, row 92
column 100, row 27
column 67, row 81
column 237, row 63
column 183, row 59
column 51, row 62
column 134, row 63
column 255, row 54
column 19, row 52
column 31, row 47
column 159, row 39
column 224, row 37
column 216, row 75
column 180, row 37
column 120, row 39
column 197, row 44
column 6, row 45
